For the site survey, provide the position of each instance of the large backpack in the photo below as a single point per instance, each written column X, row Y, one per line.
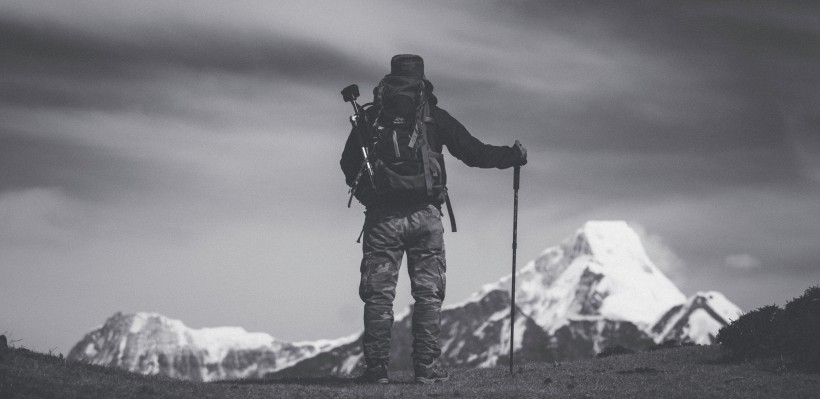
column 403, row 160
column 405, row 164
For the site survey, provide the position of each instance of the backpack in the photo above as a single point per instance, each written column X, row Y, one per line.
column 405, row 165
column 404, row 162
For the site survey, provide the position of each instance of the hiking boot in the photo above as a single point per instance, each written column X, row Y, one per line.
column 430, row 373
column 375, row 375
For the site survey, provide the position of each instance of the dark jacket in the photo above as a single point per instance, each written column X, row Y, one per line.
column 445, row 131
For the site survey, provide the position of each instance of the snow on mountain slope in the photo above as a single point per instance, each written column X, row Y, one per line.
column 602, row 272
column 150, row 343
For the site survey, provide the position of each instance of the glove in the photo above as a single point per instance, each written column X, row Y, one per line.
column 522, row 151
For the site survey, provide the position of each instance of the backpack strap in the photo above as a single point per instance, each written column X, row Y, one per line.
column 427, row 118
column 421, row 129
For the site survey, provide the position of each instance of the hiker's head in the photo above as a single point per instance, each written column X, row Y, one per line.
column 407, row 65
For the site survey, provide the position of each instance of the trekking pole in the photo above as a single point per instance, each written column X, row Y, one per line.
column 516, row 183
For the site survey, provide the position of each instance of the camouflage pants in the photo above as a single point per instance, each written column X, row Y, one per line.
column 388, row 234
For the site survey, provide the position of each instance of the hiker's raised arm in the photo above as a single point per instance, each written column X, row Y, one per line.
column 471, row 150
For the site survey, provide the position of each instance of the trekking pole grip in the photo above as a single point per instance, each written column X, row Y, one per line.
column 516, row 177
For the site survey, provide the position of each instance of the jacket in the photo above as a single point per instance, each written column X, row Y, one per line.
column 445, row 131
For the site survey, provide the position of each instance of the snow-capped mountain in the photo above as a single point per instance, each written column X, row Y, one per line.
column 151, row 343
column 596, row 289
column 602, row 272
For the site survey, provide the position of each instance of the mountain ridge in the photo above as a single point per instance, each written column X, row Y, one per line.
column 595, row 289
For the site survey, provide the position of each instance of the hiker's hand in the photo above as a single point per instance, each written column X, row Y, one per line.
column 522, row 151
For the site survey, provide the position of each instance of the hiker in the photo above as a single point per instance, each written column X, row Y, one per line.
column 403, row 210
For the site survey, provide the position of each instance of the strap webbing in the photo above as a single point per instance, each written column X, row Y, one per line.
column 421, row 128
column 450, row 210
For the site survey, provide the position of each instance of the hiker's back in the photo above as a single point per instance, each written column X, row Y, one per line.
column 407, row 167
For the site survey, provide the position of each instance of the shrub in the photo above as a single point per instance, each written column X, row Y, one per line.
column 770, row 331
column 758, row 333
column 801, row 338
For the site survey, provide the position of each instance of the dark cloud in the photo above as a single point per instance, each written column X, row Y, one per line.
column 715, row 74
column 49, row 64
column 748, row 27
column 82, row 171
column 48, row 68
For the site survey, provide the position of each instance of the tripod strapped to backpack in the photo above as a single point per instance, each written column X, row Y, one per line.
column 361, row 126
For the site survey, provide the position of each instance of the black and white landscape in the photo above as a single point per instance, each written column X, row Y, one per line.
column 182, row 157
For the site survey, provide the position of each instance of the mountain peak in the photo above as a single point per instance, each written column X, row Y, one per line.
column 614, row 242
column 602, row 271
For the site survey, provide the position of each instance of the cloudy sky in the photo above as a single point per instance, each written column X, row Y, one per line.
column 182, row 157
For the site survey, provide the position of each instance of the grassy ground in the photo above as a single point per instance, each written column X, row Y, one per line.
column 687, row 372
